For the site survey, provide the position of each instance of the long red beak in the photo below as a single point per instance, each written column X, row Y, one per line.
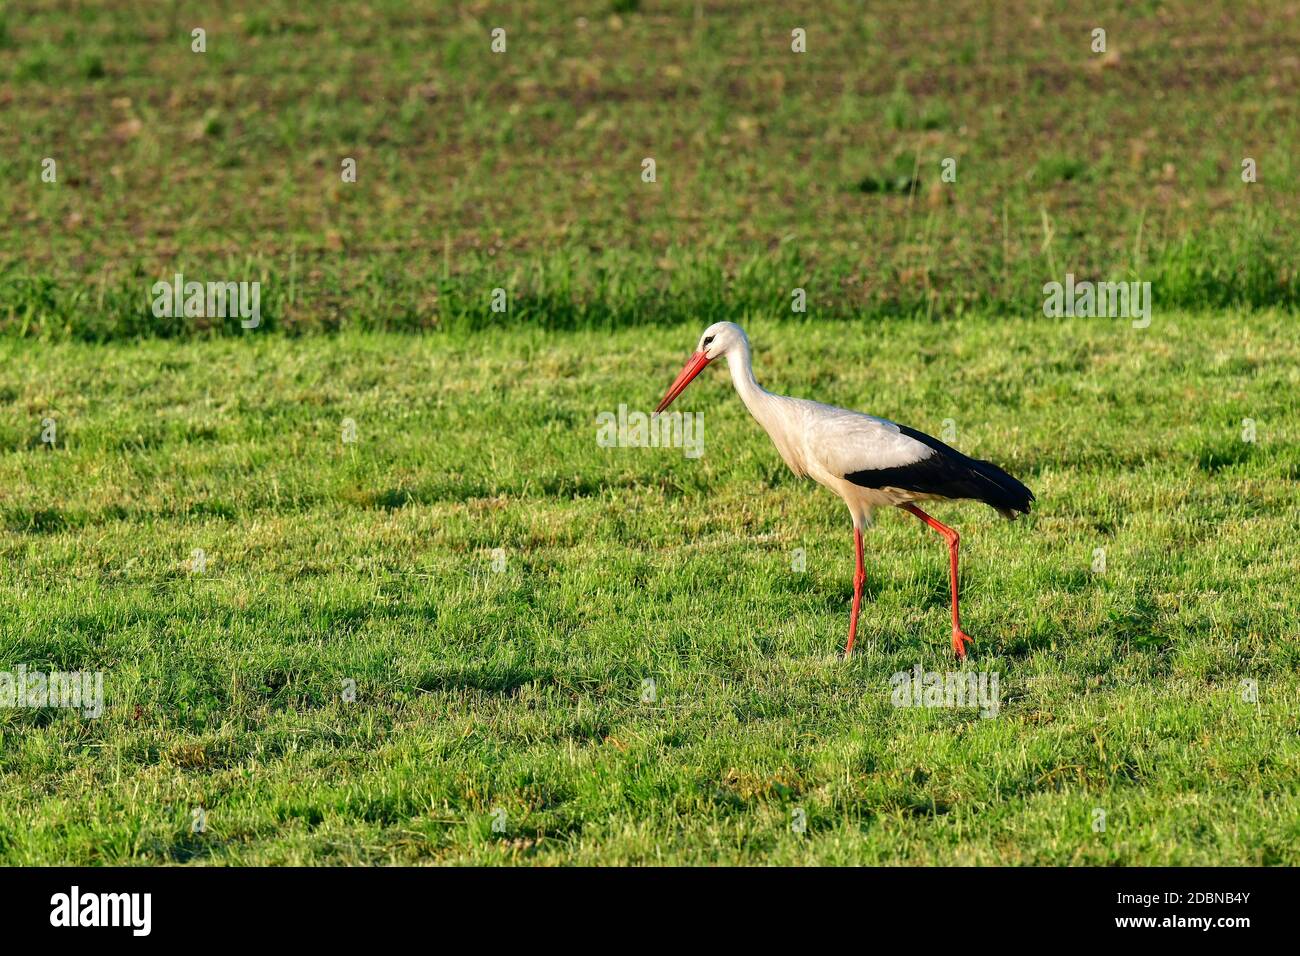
column 693, row 367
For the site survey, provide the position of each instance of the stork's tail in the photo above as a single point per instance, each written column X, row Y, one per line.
column 1000, row 490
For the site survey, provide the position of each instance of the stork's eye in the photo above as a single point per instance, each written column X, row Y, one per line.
column 707, row 341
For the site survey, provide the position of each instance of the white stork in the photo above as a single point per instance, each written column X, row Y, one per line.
column 867, row 461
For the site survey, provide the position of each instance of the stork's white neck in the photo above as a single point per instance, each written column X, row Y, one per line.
column 773, row 412
column 757, row 399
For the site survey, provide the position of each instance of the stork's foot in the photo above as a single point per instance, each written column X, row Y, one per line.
column 959, row 639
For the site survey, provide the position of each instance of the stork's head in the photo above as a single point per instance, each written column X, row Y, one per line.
column 719, row 339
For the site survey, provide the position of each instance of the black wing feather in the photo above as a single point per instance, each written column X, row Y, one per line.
column 950, row 474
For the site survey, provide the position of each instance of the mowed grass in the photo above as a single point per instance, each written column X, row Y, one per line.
column 497, row 586
column 515, row 695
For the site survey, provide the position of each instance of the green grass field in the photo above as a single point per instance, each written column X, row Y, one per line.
column 520, row 689
column 389, row 489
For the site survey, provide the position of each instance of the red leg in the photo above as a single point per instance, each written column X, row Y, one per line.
column 959, row 637
column 859, row 575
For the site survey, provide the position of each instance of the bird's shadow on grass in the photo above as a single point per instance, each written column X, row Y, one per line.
column 189, row 848
column 830, row 595
column 506, row 681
